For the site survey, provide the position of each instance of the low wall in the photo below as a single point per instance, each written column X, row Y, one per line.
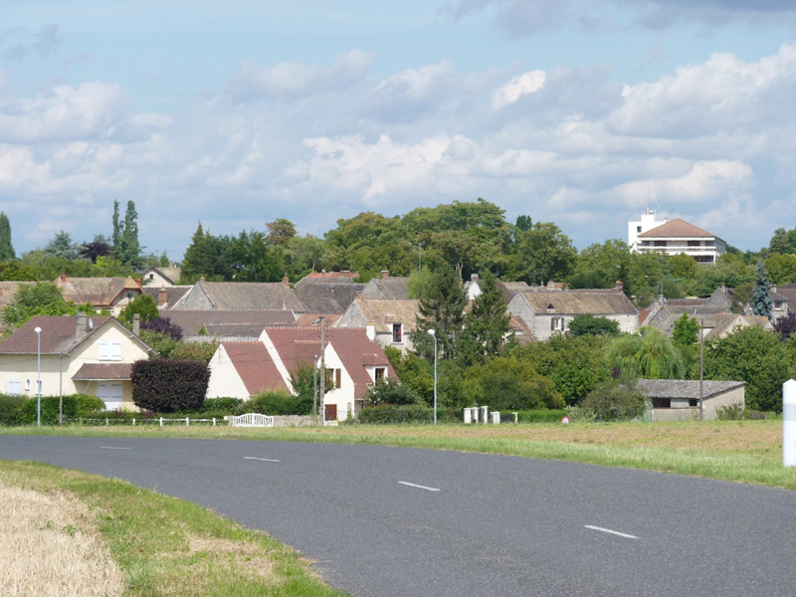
column 293, row 421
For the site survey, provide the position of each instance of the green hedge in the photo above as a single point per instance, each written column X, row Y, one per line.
column 390, row 414
column 276, row 404
column 75, row 405
column 537, row 416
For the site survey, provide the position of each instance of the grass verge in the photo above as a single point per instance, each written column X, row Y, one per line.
column 170, row 547
column 738, row 451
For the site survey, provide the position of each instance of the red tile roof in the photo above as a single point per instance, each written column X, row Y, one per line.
column 677, row 228
column 58, row 334
column 255, row 367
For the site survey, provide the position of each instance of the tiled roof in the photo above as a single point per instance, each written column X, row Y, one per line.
column 323, row 297
column 248, row 296
column 173, row 294
column 576, row 302
column 99, row 371
column 332, row 277
column 192, row 321
column 308, row 319
column 255, row 367
column 382, row 313
column 58, row 334
column 683, row 388
column 296, row 345
column 99, row 292
column 677, row 228
column 9, row 289
column 509, row 289
column 393, row 287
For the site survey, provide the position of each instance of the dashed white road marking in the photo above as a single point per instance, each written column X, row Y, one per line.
column 262, row 459
column 418, row 486
column 112, row 448
column 617, row 533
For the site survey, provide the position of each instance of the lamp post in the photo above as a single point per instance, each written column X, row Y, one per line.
column 38, row 375
column 433, row 333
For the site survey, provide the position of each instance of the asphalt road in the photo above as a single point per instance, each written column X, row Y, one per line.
column 386, row 522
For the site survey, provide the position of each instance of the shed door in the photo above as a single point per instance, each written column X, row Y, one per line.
column 111, row 394
column 331, row 412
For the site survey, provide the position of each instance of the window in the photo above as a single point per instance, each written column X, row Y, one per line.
column 557, row 324
column 14, row 387
column 337, row 377
column 334, row 377
column 661, row 403
column 659, row 243
column 638, row 229
column 27, row 385
column 397, row 333
column 694, row 243
column 110, row 351
column 380, row 373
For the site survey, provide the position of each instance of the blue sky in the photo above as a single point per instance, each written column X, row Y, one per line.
column 580, row 112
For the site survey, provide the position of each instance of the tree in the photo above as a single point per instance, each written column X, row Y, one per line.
column 391, row 391
column 785, row 327
column 685, row 330
column 169, row 385
column 508, row 383
column 761, row 299
column 280, row 232
column 649, row 354
column 95, row 249
column 543, row 253
column 601, row 265
column 487, row 322
column 42, row 298
column 781, row 269
column 163, row 325
column 207, row 256
column 6, row 248
column 61, row 246
column 126, row 247
column 587, row 323
column 683, row 266
column 142, row 305
column 615, row 400
column 441, row 309
column 755, row 356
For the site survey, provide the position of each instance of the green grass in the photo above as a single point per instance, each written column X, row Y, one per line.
column 167, row 546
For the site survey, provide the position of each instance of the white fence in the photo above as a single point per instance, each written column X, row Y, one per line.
column 251, row 420
column 135, row 421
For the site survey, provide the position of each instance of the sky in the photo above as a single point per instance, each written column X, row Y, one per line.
column 236, row 113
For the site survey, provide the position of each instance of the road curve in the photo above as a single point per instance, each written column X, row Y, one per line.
column 386, row 522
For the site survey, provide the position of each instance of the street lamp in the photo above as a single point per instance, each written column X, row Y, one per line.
column 38, row 376
column 433, row 333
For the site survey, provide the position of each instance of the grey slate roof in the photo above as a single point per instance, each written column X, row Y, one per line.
column 391, row 288
column 224, row 323
column 575, row 302
column 173, row 294
column 325, row 297
column 233, row 296
column 684, row 388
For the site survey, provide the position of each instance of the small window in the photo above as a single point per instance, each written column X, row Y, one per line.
column 380, row 373
column 661, row 403
column 337, row 377
column 659, row 243
column 694, row 243
column 397, row 333
column 557, row 324
column 638, row 229
column 27, row 385
column 692, row 402
column 14, row 387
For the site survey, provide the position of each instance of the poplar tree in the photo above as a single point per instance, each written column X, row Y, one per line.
column 6, row 248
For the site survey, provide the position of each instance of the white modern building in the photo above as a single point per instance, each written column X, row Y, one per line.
column 673, row 237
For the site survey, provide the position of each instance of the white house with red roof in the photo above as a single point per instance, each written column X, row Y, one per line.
column 649, row 235
column 87, row 355
column 354, row 362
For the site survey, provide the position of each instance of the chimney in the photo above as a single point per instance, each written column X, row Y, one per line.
column 618, row 285
column 370, row 331
column 286, row 281
column 138, row 281
column 163, row 297
column 80, row 327
column 136, row 324
column 385, row 273
column 63, row 277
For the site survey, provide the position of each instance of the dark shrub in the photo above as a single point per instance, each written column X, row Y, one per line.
column 169, row 385
column 615, row 401
column 277, row 403
column 390, row 391
column 9, row 409
column 163, row 325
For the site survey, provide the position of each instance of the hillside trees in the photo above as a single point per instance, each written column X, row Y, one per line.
column 6, row 247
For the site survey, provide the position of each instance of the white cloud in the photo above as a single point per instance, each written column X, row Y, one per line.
column 290, row 80
column 520, row 85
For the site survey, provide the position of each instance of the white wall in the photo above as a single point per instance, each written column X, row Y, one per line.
column 225, row 382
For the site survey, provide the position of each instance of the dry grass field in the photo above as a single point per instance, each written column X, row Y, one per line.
column 48, row 546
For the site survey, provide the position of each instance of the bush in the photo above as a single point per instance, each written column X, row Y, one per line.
column 730, row 412
column 390, row 414
column 75, row 405
column 615, row 401
column 539, row 416
column 227, row 405
column 9, row 407
column 169, row 385
column 276, row 403
column 390, row 391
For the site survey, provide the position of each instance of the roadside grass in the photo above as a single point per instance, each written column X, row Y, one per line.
column 170, row 547
column 738, row 451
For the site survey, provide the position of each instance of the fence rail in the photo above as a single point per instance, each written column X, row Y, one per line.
column 161, row 421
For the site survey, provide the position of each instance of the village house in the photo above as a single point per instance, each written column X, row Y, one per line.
column 678, row 399
column 393, row 321
column 86, row 355
column 232, row 296
column 354, row 361
column 548, row 312
column 104, row 294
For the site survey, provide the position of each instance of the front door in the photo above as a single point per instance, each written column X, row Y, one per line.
column 331, row 412
column 111, row 393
